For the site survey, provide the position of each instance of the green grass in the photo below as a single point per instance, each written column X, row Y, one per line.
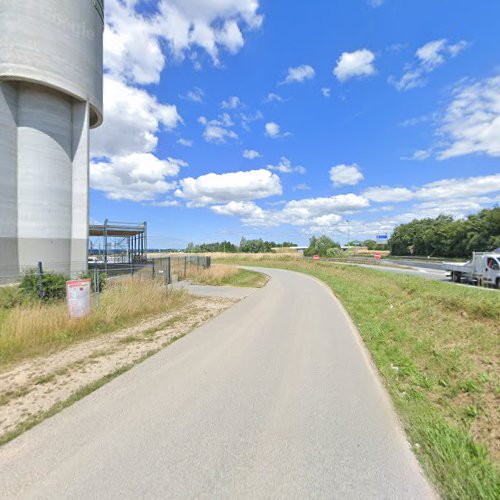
column 245, row 278
column 436, row 347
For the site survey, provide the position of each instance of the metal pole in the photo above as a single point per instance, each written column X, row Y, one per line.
column 167, row 274
column 153, row 268
column 96, row 286
column 40, row 280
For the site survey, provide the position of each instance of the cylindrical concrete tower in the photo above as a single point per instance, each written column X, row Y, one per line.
column 50, row 94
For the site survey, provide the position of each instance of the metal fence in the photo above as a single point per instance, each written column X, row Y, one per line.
column 168, row 269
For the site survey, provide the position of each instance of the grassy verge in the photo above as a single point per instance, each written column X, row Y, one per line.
column 224, row 275
column 436, row 347
column 34, row 329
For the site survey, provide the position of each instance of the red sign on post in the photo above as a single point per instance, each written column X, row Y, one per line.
column 316, row 257
column 378, row 256
column 78, row 298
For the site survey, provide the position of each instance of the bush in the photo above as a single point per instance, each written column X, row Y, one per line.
column 11, row 296
column 89, row 275
column 53, row 285
column 335, row 253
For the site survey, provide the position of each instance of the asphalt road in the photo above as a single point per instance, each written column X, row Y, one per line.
column 275, row 398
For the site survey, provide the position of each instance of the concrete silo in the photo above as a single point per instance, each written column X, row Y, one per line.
column 50, row 95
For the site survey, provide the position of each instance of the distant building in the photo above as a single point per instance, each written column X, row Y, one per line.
column 50, row 95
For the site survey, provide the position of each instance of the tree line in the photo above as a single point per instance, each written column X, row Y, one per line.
column 245, row 246
column 445, row 236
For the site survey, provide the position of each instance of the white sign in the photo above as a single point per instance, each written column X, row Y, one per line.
column 78, row 298
column 382, row 239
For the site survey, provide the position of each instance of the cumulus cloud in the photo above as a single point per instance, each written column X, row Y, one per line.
column 135, row 44
column 134, row 177
column 194, row 95
column 251, row 154
column 272, row 97
column 310, row 212
column 299, row 74
column 235, row 186
column 218, row 131
column 285, row 167
column 445, row 189
column 187, row 143
column 471, row 123
column 238, row 208
column 345, row 175
column 232, row 102
column 359, row 63
column 430, row 56
column 133, row 119
column 273, row 130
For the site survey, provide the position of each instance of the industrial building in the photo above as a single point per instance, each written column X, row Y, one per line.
column 50, row 95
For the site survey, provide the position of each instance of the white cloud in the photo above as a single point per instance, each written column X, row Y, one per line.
column 419, row 155
column 445, row 189
column 165, row 203
column 302, row 187
column 273, row 130
column 376, row 3
column 218, row 131
column 194, row 95
column 272, row 97
column 300, row 74
column 235, row 186
column 345, row 175
column 187, row 143
column 309, row 212
column 430, row 56
column 232, row 102
column 251, row 154
column 238, row 208
column 355, row 64
column 326, row 91
column 285, row 167
column 134, row 43
column 385, row 193
column 471, row 123
column 134, row 177
column 133, row 120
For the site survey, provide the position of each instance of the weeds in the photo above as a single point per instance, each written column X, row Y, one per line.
column 33, row 329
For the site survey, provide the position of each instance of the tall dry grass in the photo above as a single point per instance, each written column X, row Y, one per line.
column 217, row 274
column 34, row 329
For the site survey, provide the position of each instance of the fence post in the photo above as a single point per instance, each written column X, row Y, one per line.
column 96, row 286
column 40, row 280
column 153, row 268
column 167, row 273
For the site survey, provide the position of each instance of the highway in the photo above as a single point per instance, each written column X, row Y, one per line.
column 275, row 398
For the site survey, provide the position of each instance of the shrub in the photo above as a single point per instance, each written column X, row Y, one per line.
column 103, row 279
column 335, row 253
column 11, row 296
column 53, row 285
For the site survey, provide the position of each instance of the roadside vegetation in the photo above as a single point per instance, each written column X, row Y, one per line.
column 446, row 237
column 436, row 348
column 224, row 275
column 29, row 328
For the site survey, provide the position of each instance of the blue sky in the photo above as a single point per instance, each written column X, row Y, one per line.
column 231, row 118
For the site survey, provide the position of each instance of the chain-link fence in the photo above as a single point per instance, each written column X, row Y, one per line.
column 168, row 269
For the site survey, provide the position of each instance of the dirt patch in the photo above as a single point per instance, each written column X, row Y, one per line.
column 33, row 387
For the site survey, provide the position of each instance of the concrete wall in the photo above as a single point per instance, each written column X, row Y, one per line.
column 8, row 179
column 54, row 42
column 50, row 94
